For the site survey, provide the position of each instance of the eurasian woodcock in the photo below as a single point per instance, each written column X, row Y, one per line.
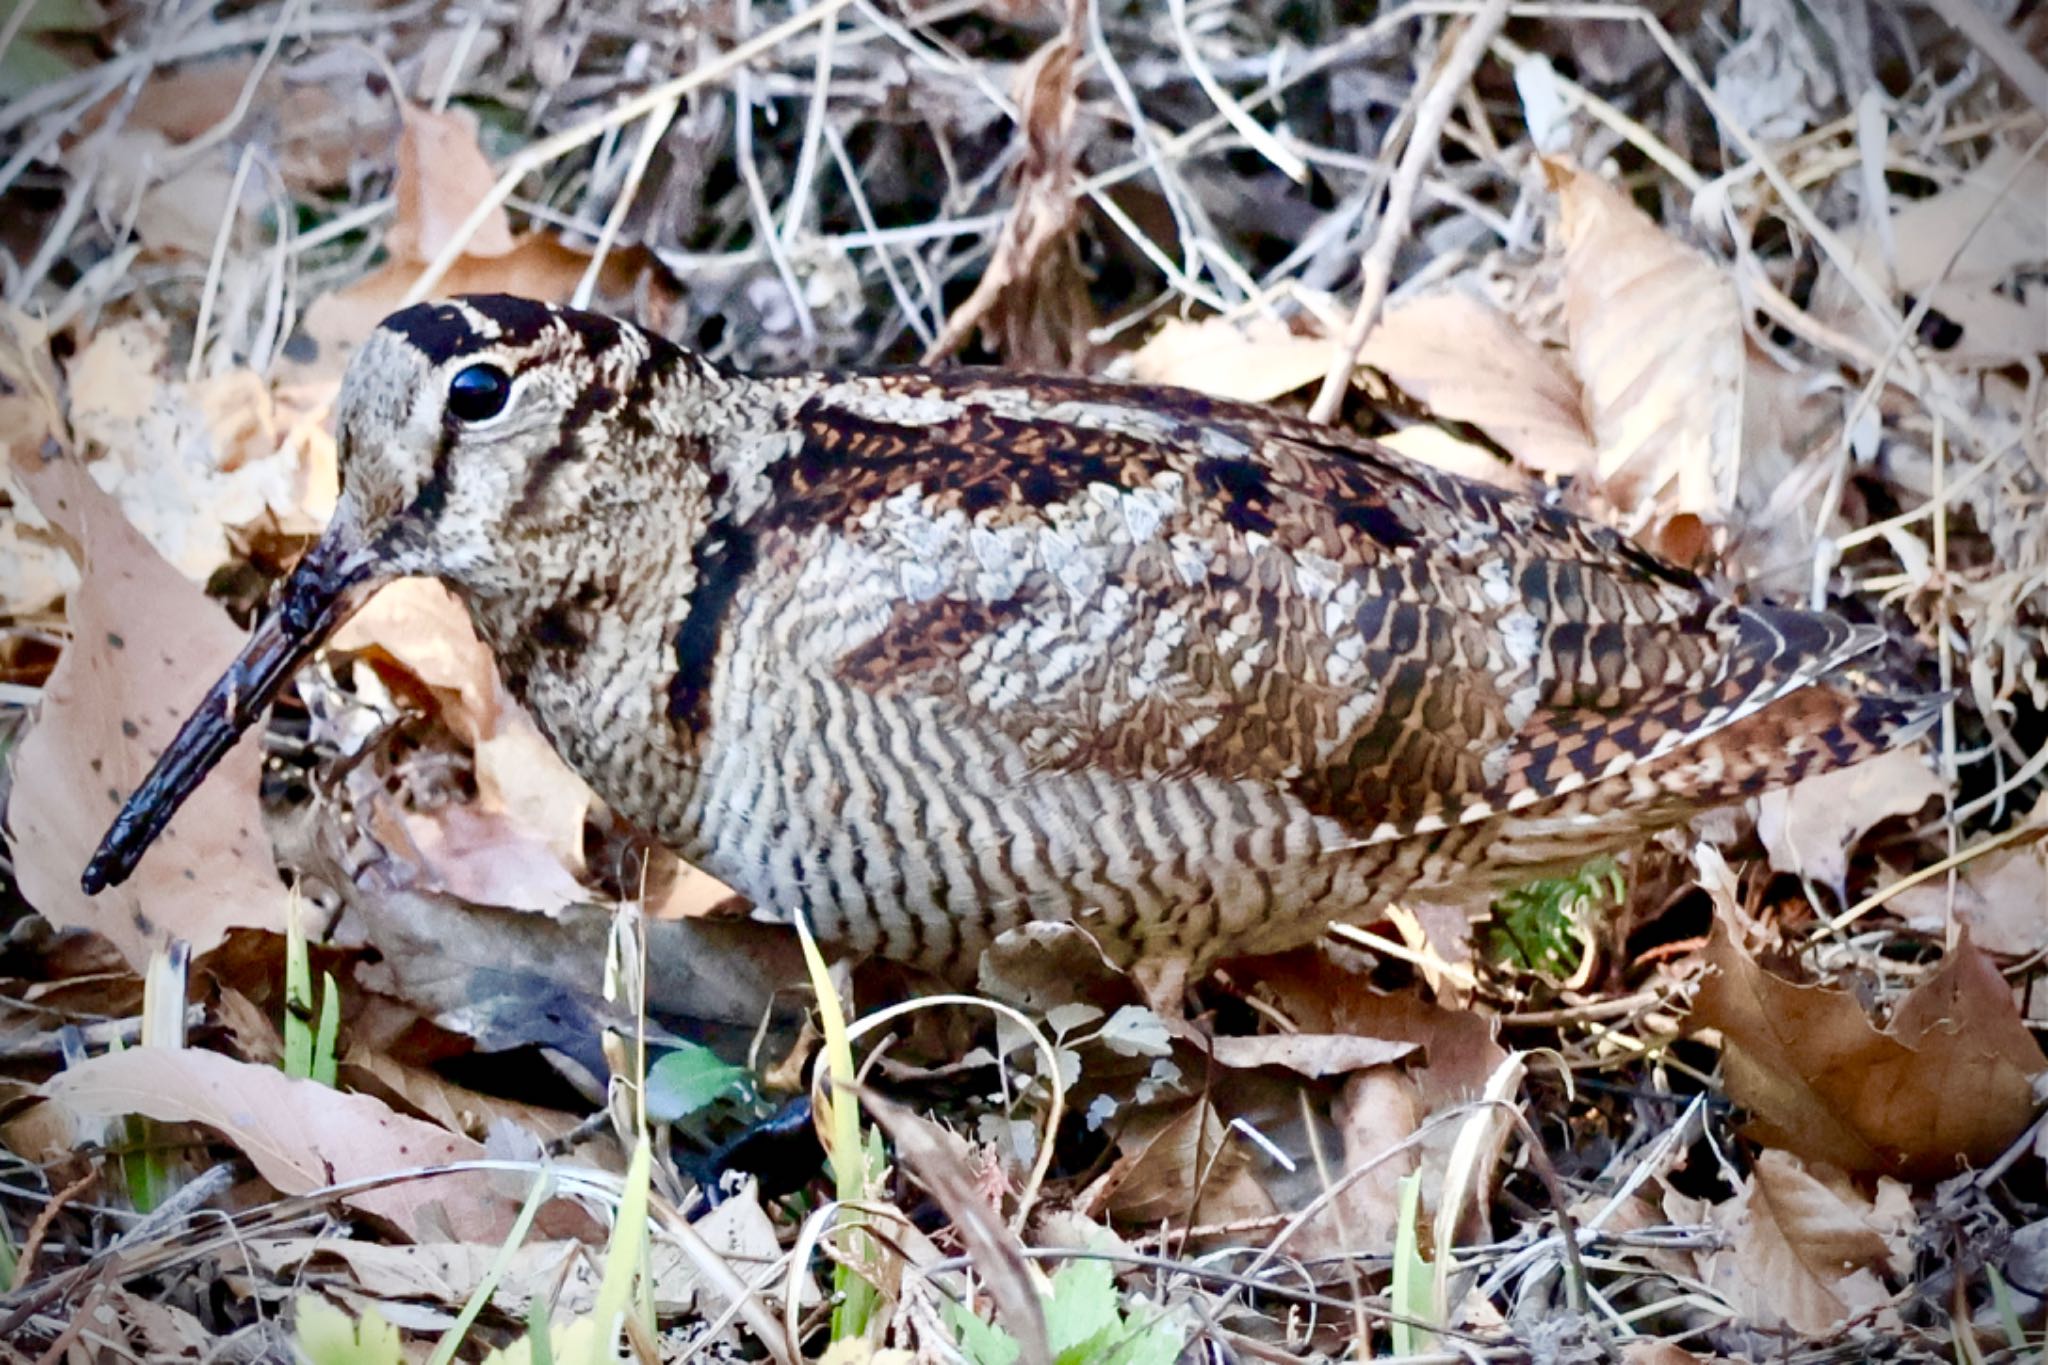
column 928, row 655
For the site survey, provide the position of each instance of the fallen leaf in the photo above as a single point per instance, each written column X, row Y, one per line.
column 1959, row 251
column 2003, row 897
column 191, row 463
column 1185, row 1168
column 526, row 795
column 485, row 858
column 145, row 645
column 1803, row 1253
column 538, row 267
column 178, row 199
column 1656, row 341
column 1824, row 1082
column 300, row 1135
column 1254, row 360
column 443, row 1102
column 1377, row 1111
column 564, row 1274
column 1810, row 829
column 1468, row 362
column 1450, row 350
column 442, row 176
column 1310, row 1054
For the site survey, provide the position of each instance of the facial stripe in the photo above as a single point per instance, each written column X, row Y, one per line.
column 724, row 557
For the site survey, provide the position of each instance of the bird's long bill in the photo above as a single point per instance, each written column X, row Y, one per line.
column 322, row 592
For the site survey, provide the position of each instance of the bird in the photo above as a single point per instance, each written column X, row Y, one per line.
column 925, row 656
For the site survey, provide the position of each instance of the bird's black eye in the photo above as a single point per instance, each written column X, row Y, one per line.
column 478, row 393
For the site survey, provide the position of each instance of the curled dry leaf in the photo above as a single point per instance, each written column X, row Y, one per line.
column 2003, row 897
column 1184, row 1166
column 1375, row 1113
column 144, row 644
column 1032, row 302
column 191, row 463
column 563, row 1274
column 442, row 176
column 1803, row 1252
column 1810, row 829
column 1824, row 1082
column 304, row 1136
column 528, row 793
column 1450, row 350
column 1657, row 344
column 1311, row 1054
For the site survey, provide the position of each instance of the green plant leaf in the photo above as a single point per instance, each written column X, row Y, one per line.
column 982, row 1343
column 1082, row 1316
column 328, row 1336
column 688, row 1079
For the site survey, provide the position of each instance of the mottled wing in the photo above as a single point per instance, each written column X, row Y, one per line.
column 1147, row 584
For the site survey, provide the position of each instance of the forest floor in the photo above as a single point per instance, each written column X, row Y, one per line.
column 1763, row 285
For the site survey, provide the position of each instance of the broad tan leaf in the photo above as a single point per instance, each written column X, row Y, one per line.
column 2003, row 897
column 145, row 645
column 1183, row 1167
column 1311, row 1054
column 1656, row 341
column 563, row 1273
column 522, row 784
column 1253, row 361
column 1803, row 1253
column 301, row 1135
column 1450, row 350
column 1811, row 828
column 442, row 176
column 1824, row 1082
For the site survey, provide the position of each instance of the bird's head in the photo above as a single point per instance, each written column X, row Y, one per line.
column 479, row 440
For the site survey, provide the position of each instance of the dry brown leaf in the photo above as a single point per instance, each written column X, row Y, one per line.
column 1468, row 362
column 564, row 1273
column 153, row 1330
column 455, row 1108
column 442, row 176
column 1803, row 1252
column 1450, row 350
column 1168, row 1158
column 300, row 1135
column 2003, row 897
column 528, row 793
column 1377, row 1111
column 144, row 644
column 190, row 463
column 178, row 200
column 1254, row 360
column 1032, row 302
column 1311, row 1054
column 1810, row 829
column 1824, row 1082
column 1641, row 1352
column 1657, row 344
column 537, row 266
column 317, row 128
column 1959, row 251
column 1321, row 995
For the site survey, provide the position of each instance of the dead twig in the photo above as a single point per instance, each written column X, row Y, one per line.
column 1378, row 266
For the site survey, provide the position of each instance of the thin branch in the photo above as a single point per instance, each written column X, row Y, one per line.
column 1416, row 158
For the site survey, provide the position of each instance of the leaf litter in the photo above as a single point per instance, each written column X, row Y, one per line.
column 1761, row 288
